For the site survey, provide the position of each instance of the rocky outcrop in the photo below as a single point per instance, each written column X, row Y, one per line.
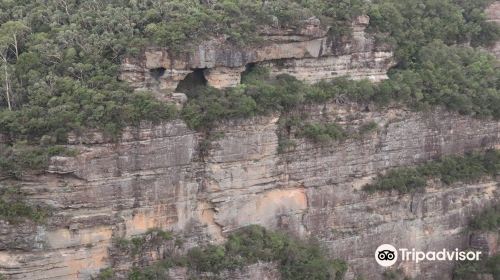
column 308, row 52
column 156, row 177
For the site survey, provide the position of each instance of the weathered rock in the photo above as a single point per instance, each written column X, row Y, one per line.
column 224, row 77
column 487, row 242
column 307, row 52
column 155, row 178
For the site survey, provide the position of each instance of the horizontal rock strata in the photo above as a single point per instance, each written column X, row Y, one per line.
column 155, row 178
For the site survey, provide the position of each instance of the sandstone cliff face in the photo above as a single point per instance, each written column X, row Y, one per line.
column 308, row 53
column 155, row 178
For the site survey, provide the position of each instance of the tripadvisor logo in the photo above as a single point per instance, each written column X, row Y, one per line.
column 386, row 255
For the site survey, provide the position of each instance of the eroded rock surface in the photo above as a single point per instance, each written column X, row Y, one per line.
column 309, row 53
column 155, row 178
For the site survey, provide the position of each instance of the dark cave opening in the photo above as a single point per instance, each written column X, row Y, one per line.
column 157, row 73
column 249, row 68
column 192, row 81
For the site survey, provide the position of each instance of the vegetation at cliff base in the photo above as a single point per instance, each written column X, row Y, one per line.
column 106, row 274
column 134, row 245
column 487, row 220
column 449, row 169
column 477, row 270
column 296, row 259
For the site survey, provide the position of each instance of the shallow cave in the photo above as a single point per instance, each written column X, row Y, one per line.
column 157, row 73
column 248, row 69
column 192, row 81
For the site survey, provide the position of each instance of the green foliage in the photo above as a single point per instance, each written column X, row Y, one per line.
column 297, row 259
column 390, row 274
column 21, row 156
column 254, row 75
column 285, row 144
column 411, row 25
column 306, row 261
column 461, row 79
column 404, row 180
column 488, row 220
column 157, row 271
column 211, row 105
column 136, row 244
column 367, row 128
column 322, row 133
column 207, row 105
column 160, row 235
column 468, row 168
column 359, row 91
column 474, row 270
column 106, row 274
column 318, row 133
column 62, row 60
column 14, row 209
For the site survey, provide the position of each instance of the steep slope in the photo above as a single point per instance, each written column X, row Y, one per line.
column 155, row 178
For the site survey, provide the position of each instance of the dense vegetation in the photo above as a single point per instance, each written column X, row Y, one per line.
column 477, row 270
column 488, row 220
column 20, row 156
column 474, row 270
column 431, row 71
column 411, row 25
column 14, row 209
column 60, row 59
column 450, row 169
column 297, row 259
column 59, row 62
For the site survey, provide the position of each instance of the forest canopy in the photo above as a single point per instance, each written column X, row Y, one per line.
column 59, row 60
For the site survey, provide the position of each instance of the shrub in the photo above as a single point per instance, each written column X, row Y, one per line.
column 152, row 237
column 477, row 270
column 488, row 220
column 468, row 168
column 208, row 105
column 297, row 259
column 14, row 209
column 367, row 128
column 21, row 156
column 106, row 274
column 322, row 133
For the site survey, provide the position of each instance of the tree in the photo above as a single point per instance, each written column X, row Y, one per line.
column 11, row 33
